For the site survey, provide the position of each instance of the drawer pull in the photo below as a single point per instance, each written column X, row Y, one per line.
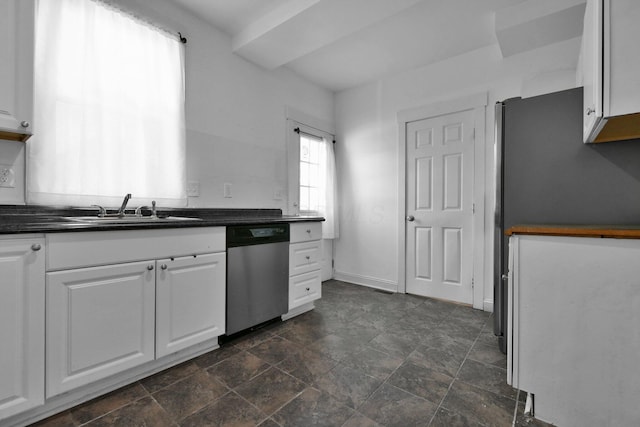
column 308, row 289
column 308, row 257
column 149, row 267
column 163, row 266
column 36, row 247
column 309, row 230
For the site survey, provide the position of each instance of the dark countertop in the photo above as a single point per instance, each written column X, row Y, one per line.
column 20, row 219
column 604, row 231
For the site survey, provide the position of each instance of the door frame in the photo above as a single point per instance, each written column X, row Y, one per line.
column 478, row 103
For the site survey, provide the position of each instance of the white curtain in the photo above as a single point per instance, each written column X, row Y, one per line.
column 328, row 191
column 109, row 108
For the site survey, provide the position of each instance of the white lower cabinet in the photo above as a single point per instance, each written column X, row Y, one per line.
column 190, row 306
column 574, row 335
column 100, row 321
column 305, row 266
column 158, row 292
column 21, row 325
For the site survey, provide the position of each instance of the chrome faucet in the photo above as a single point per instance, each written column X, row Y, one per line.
column 124, row 205
column 102, row 212
column 139, row 209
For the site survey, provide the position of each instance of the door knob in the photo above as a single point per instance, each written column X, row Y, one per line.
column 411, row 218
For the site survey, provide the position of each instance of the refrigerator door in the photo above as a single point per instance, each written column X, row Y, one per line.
column 499, row 285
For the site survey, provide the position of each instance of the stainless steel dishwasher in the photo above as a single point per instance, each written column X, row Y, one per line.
column 257, row 274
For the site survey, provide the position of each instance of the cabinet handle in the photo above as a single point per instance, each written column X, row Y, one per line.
column 25, row 124
column 308, row 257
column 36, row 247
column 590, row 111
column 309, row 231
column 308, row 289
column 163, row 266
column 149, row 267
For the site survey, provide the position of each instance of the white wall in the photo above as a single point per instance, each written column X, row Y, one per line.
column 367, row 148
column 236, row 123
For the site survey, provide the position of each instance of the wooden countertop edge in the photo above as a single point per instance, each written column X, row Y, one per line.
column 622, row 233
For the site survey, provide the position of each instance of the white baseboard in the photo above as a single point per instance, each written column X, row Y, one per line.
column 371, row 282
column 487, row 305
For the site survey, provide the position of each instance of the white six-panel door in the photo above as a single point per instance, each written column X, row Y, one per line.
column 439, row 240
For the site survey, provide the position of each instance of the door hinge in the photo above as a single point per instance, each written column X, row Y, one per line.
column 333, row 263
column 473, row 282
column 473, row 208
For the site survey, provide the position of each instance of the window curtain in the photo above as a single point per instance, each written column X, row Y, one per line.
column 109, row 108
column 328, row 192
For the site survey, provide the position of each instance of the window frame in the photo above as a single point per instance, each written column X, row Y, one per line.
column 82, row 198
column 293, row 163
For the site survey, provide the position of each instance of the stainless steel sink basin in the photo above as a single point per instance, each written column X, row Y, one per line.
column 129, row 219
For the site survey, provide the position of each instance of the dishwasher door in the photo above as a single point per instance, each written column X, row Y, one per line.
column 257, row 284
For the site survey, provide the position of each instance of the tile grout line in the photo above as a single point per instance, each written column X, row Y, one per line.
column 456, row 375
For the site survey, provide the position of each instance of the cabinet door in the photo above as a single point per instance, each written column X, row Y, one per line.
column 16, row 66
column 190, row 301
column 100, row 321
column 592, row 56
column 21, row 325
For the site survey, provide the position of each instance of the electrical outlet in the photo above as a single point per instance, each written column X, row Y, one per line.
column 7, row 176
column 227, row 190
column 278, row 194
column 193, row 189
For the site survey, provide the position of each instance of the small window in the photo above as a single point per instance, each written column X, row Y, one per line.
column 312, row 176
column 311, row 173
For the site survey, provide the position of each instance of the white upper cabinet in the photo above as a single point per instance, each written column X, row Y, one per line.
column 17, row 19
column 610, row 70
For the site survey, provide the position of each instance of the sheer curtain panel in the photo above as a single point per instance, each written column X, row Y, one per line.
column 109, row 108
column 328, row 192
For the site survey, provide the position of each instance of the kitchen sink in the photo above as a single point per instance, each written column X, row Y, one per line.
column 129, row 219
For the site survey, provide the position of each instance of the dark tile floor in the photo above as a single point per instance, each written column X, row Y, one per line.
column 361, row 358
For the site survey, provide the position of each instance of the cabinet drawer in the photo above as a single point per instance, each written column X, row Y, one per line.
column 304, row 257
column 305, row 232
column 304, row 288
column 73, row 250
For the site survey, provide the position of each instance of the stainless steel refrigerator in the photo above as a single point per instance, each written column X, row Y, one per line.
column 546, row 175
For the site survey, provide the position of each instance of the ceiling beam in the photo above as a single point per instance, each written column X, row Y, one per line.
column 536, row 23
column 300, row 27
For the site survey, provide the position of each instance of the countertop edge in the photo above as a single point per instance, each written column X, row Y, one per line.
column 602, row 231
column 34, row 227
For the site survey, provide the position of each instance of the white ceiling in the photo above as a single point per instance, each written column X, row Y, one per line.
column 340, row 44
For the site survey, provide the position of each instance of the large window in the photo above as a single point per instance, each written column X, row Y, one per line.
column 109, row 108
